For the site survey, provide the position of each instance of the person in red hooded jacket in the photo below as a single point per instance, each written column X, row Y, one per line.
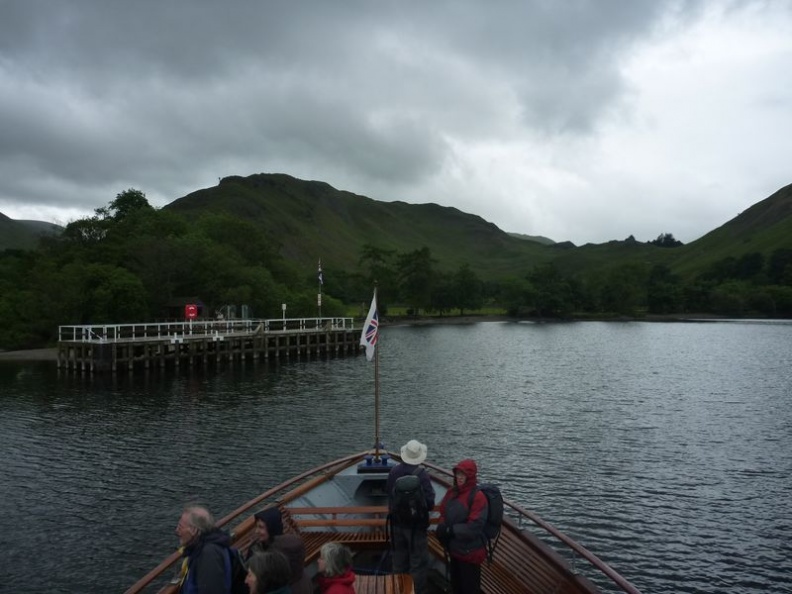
column 461, row 529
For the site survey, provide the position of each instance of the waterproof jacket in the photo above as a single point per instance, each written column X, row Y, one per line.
column 468, row 543
column 339, row 584
column 206, row 564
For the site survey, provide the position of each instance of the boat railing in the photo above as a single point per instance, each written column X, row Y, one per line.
column 202, row 327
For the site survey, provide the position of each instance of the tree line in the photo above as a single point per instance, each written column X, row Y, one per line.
column 129, row 261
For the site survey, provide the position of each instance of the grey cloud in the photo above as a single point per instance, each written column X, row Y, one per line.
column 156, row 93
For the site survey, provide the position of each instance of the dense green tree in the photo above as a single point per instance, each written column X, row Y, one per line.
column 379, row 270
column 730, row 298
column 443, row 298
column 87, row 232
column 624, row 289
column 664, row 292
column 467, row 290
column 666, row 240
column 416, row 278
column 553, row 294
column 781, row 297
column 126, row 203
column 721, row 270
column 516, row 295
column 779, row 267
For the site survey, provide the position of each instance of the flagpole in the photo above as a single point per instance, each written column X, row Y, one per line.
column 376, row 402
column 368, row 339
column 320, row 278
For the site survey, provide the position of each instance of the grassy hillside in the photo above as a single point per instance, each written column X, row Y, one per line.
column 763, row 228
column 312, row 220
column 23, row 235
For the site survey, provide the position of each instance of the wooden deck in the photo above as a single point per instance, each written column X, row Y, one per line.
column 395, row 583
column 522, row 564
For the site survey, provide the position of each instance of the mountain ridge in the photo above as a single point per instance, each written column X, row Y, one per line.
column 310, row 220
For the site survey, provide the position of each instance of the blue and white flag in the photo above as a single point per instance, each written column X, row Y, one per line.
column 368, row 337
column 319, row 273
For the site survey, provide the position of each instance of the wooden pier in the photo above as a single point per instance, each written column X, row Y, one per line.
column 127, row 347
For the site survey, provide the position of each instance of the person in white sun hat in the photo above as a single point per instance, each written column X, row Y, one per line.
column 410, row 499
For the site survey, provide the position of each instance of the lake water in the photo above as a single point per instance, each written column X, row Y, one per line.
column 666, row 449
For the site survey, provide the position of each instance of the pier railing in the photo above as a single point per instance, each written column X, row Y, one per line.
column 104, row 333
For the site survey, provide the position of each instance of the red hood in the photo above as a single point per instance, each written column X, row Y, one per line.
column 470, row 469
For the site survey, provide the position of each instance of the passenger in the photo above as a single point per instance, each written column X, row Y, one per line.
column 410, row 546
column 461, row 529
column 205, row 550
column 268, row 573
column 335, row 569
column 270, row 536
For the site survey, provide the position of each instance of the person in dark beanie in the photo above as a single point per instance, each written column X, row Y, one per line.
column 270, row 536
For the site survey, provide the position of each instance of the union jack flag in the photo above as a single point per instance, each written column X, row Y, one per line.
column 368, row 337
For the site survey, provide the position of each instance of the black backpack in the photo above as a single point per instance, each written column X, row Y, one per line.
column 494, row 514
column 408, row 506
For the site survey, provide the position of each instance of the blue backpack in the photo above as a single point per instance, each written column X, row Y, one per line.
column 236, row 572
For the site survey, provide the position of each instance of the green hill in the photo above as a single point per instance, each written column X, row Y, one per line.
column 763, row 228
column 311, row 220
column 23, row 235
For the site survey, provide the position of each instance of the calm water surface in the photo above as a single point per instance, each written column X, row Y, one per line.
column 666, row 449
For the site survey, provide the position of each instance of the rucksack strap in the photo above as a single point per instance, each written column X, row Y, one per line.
column 228, row 570
column 488, row 544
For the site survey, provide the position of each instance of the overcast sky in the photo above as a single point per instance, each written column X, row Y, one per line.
column 584, row 120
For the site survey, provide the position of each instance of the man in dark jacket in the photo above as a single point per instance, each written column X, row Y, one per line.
column 205, row 552
column 410, row 546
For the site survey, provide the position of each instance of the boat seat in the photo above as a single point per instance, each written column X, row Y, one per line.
column 515, row 568
column 354, row 540
column 395, row 583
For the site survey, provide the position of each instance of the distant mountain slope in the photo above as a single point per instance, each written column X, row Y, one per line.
column 537, row 238
column 23, row 235
column 312, row 220
column 764, row 227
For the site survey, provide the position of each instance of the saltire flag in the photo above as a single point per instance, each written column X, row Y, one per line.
column 368, row 337
column 319, row 273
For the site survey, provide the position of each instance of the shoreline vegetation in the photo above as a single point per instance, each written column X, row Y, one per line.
column 51, row 353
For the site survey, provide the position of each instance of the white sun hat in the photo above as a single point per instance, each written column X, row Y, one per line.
column 414, row 452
